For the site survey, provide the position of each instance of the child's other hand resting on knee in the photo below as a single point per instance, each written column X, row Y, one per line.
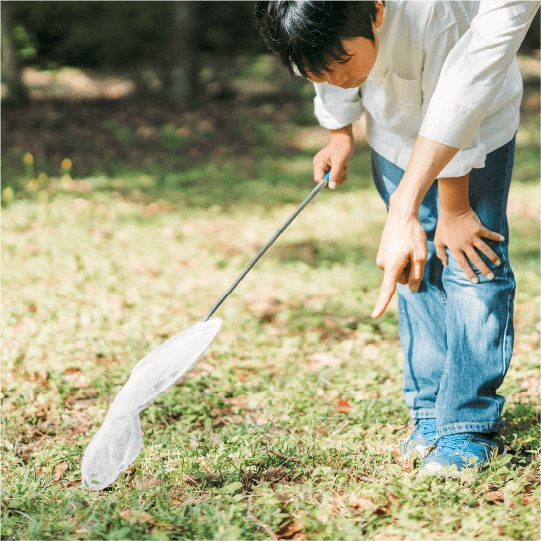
column 460, row 230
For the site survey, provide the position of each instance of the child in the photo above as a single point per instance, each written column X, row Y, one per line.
column 456, row 330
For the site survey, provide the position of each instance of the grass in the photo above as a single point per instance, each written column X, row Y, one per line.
column 289, row 427
column 253, row 440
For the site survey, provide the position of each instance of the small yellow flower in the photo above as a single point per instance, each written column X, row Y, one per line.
column 28, row 159
column 66, row 164
column 8, row 194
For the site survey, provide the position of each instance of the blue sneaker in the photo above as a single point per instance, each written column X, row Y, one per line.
column 459, row 452
column 421, row 441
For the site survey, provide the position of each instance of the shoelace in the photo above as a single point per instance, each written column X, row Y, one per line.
column 451, row 442
column 427, row 428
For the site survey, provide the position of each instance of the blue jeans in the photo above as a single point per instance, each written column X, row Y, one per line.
column 457, row 336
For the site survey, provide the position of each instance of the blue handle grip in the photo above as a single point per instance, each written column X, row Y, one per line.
column 327, row 175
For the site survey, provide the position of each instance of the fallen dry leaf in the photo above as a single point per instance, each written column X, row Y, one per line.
column 495, row 496
column 73, row 483
column 59, row 471
column 361, row 502
column 290, row 528
column 147, row 482
column 343, row 407
column 366, row 502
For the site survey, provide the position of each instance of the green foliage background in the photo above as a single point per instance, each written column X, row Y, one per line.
column 113, row 35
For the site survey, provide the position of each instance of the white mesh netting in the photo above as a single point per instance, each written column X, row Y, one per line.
column 118, row 442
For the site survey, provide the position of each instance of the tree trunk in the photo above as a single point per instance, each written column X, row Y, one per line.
column 17, row 93
column 180, row 58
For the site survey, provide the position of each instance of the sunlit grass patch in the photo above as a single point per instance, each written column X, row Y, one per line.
column 289, row 425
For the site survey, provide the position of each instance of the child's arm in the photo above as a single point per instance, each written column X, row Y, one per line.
column 460, row 229
column 335, row 156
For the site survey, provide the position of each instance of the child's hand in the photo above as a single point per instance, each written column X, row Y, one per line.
column 462, row 233
column 335, row 156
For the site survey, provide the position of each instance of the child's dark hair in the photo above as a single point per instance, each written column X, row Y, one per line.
column 308, row 36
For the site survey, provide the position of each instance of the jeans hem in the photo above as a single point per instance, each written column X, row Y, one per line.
column 458, row 428
column 429, row 413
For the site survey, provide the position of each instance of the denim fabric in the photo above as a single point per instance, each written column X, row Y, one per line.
column 457, row 336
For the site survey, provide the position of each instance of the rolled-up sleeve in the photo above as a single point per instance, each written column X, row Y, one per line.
column 475, row 70
column 336, row 107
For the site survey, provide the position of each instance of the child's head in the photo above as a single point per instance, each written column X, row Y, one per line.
column 334, row 42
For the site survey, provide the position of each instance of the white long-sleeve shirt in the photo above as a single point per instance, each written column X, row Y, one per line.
column 415, row 39
column 475, row 71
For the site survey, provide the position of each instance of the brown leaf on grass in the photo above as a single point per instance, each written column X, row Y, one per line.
column 343, row 406
column 74, row 374
column 273, row 474
column 361, row 502
column 36, row 411
column 210, row 478
column 496, row 497
column 59, row 472
column 290, row 528
column 527, row 499
column 137, row 517
column 73, row 483
column 147, row 482
column 367, row 503
column 242, row 375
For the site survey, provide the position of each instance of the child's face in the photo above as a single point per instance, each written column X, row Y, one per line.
column 355, row 71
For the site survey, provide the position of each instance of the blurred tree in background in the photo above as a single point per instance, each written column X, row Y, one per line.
column 172, row 38
column 133, row 36
column 12, row 52
column 116, row 35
